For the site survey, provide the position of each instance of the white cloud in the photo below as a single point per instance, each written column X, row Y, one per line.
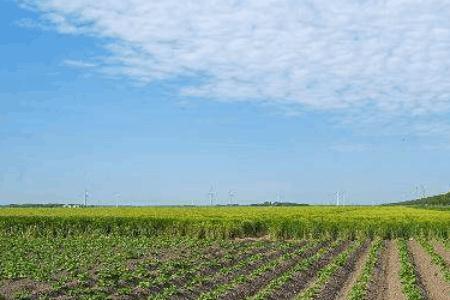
column 372, row 58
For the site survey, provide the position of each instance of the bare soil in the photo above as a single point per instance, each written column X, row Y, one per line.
column 353, row 273
column 9, row 288
column 440, row 249
column 430, row 276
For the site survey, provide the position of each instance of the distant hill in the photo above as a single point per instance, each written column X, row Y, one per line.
column 443, row 199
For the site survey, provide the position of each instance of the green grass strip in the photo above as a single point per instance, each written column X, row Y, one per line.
column 436, row 259
column 222, row 289
column 303, row 265
column 327, row 272
column 359, row 289
column 407, row 275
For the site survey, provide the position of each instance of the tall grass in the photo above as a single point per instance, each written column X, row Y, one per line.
column 230, row 222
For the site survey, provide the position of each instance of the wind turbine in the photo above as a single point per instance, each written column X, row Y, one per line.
column 211, row 195
column 422, row 187
column 230, row 197
column 86, row 197
column 117, row 199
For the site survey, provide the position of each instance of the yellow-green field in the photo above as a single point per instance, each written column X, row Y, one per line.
column 224, row 222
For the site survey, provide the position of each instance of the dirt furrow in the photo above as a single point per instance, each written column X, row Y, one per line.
column 440, row 249
column 435, row 286
column 352, row 273
column 386, row 283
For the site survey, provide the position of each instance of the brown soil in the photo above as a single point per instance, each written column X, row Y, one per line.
column 261, row 238
column 352, row 273
column 440, row 249
column 9, row 288
column 301, row 280
column 386, row 283
column 430, row 275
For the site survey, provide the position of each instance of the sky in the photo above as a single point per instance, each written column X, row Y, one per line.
column 151, row 102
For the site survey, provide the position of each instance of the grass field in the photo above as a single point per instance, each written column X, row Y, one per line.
column 225, row 253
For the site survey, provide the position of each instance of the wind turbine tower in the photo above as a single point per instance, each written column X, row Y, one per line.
column 86, row 197
column 424, row 192
column 230, row 197
column 211, row 196
column 117, row 200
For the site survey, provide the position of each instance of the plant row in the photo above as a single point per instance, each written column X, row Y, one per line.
column 266, row 267
column 287, row 276
column 359, row 289
column 327, row 272
column 408, row 275
column 436, row 259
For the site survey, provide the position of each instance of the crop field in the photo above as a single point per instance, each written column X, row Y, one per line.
column 225, row 253
column 230, row 222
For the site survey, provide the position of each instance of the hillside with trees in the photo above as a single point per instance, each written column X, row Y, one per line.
column 438, row 200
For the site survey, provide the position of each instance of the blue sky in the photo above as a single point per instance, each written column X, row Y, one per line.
column 155, row 102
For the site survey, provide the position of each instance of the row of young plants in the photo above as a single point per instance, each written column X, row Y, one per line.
column 238, row 264
column 147, row 278
column 86, row 268
column 41, row 259
column 359, row 289
column 326, row 273
column 197, row 269
column 111, row 274
column 55, row 262
column 222, row 289
column 408, row 277
column 96, row 267
column 301, row 266
column 436, row 259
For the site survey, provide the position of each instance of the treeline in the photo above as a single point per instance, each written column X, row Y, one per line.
column 34, row 205
column 438, row 200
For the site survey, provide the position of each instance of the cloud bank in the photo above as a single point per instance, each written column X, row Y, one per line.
column 388, row 57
